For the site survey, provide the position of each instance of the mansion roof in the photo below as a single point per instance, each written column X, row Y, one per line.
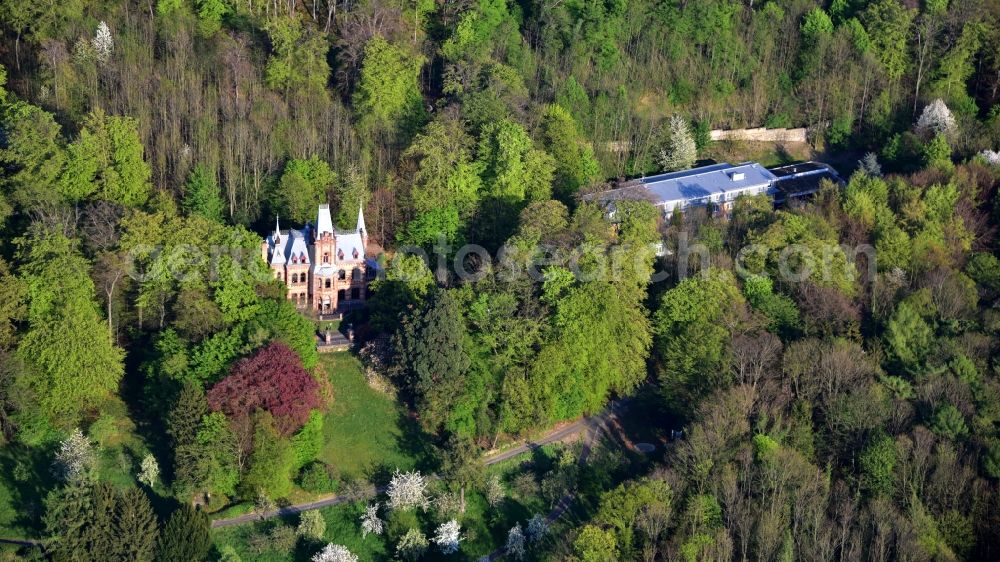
column 297, row 247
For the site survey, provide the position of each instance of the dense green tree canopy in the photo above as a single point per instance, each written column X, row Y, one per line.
column 388, row 96
column 829, row 367
column 67, row 340
column 303, row 186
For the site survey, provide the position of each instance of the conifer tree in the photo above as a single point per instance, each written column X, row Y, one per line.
column 186, row 536
column 69, row 512
column 202, row 195
column 438, row 358
column 135, row 527
column 183, row 423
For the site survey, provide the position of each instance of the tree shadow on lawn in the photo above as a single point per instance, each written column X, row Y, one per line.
column 416, row 444
column 26, row 472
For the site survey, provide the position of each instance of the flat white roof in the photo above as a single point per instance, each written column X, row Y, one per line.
column 698, row 183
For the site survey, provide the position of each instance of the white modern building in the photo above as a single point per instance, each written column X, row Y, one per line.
column 718, row 185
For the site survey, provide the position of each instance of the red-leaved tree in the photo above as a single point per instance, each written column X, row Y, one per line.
column 272, row 379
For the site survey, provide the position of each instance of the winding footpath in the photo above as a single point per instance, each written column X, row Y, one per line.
column 596, row 426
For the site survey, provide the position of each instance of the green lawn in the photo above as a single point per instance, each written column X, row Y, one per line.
column 483, row 528
column 366, row 433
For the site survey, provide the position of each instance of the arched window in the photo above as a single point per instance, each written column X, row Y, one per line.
column 341, row 295
column 327, row 283
column 326, row 257
column 356, row 274
column 342, row 275
column 355, row 294
column 295, row 278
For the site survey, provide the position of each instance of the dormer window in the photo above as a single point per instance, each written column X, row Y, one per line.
column 302, row 257
column 355, row 253
column 295, row 259
column 340, row 254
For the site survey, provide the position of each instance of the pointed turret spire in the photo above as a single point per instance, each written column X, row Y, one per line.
column 277, row 229
column 361, row 221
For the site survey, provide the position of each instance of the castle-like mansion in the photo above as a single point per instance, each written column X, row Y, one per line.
column 325, row 270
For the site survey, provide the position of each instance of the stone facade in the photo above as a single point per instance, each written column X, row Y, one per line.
column 326, row 270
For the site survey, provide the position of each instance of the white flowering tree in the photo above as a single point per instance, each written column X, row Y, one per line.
column 75, row 457
column 447, row 537
column 991, row 157
column 407, row 490
column 936, row 118
column 103, row 43
column 412, row 545
column 149, row 470
column 495, row 492
column 370, row 521
column 680, row 151
column 537, row 527
column 515, row 543
column 334, row 553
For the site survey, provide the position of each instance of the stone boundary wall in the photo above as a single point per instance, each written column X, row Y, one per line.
column 760, row 134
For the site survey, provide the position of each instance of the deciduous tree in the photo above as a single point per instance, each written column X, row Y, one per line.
column 302, row 188
column 66, row 339
column 272, row 380
column 447, row 537
column 334, row 553
column 680, row 151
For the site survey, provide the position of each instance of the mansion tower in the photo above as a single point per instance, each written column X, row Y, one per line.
column 325, row 270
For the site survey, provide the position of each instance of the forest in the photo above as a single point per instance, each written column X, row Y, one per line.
column 156, row 385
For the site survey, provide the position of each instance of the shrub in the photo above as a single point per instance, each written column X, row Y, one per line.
column 283, row 538
column 228, row 554
column 309, row 440
column 271, row 461
column 311, row 525
column 317, row 477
